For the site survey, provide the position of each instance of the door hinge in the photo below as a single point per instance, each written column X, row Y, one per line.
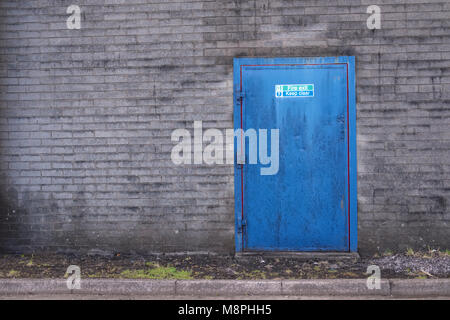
column 240, row 96
column 242, row 225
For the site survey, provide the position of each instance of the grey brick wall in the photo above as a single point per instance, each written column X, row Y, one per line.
column 86, row 117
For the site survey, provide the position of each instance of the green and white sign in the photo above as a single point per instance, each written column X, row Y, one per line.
column 294, row 90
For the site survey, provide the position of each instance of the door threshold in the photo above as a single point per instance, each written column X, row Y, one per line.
column 301, row 256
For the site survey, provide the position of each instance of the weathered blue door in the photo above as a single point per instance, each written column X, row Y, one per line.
column 310, row 203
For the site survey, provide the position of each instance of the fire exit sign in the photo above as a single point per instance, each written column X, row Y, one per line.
column 294, row 90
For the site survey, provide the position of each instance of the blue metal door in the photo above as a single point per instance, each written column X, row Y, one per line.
column 309, row 204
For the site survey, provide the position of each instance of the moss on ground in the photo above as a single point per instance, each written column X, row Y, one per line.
column 156, row 271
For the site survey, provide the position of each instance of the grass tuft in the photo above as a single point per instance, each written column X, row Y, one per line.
column 157, row 272
column 13, row 274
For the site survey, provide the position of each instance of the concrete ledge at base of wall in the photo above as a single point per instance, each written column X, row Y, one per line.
column 307, row 287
